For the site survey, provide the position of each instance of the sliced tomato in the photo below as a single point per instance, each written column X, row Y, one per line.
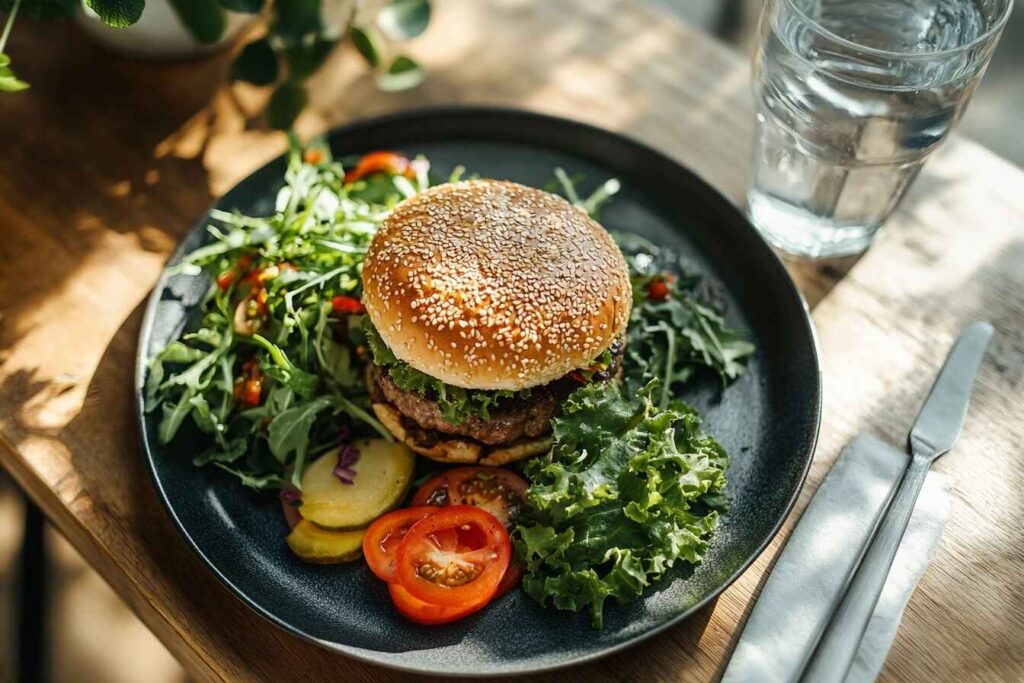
column 420, row 612
column 513, row 575
column 380, row 544
column 497, row 490
column 455, row 557
column 380, row 162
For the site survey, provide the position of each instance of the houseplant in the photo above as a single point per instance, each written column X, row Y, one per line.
column 297, row 42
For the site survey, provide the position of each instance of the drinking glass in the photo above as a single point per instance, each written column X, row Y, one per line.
column 852, row 96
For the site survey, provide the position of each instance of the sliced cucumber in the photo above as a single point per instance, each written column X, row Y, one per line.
column 383, row 474
column 323, row 546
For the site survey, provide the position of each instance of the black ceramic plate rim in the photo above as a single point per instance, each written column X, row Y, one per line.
column 372, row 656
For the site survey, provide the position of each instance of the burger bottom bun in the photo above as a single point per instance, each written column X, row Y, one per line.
column 456, row 450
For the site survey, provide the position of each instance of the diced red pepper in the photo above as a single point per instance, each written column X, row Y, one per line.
column 225, row 280
column 381, row 162
column 313, row 156
column 228, row 277
column 347, row 305
column 658, row 288
column 248, row 389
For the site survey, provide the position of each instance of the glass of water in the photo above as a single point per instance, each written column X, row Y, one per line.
column 852, row 97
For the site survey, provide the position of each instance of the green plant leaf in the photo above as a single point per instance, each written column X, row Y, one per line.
column 117, row 13
column 285, row 105
column 297, row 18
column 204, row 19
column 11, row 84
column 42, row 10
column 8, row 81
column 404, row 19
column 246, row 6
column 304, row 59
column 366, row 43
column 404, row 73
column 256, row 64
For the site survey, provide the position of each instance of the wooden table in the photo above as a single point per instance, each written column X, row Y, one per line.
column 106, row 162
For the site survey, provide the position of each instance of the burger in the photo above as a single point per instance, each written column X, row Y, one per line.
column 487, row 303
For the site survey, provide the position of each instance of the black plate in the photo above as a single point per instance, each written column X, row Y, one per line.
column 768, row 420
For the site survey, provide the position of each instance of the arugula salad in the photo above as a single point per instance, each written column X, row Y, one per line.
column 272, row 374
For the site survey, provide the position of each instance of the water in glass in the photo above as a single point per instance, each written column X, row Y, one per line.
column 852, row 97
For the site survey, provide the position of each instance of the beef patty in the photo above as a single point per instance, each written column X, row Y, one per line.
column 511, row 419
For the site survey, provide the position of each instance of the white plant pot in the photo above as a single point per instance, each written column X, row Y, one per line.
column 158, row 34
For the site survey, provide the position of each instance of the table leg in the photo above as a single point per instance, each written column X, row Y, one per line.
column 31, row 599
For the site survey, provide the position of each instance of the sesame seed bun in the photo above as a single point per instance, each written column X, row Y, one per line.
column 489, row 284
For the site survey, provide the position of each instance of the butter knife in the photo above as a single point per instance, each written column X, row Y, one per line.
column 934, row 432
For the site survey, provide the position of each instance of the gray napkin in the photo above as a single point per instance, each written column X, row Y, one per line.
column 814, row 568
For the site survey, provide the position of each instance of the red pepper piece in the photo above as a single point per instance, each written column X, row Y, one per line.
column 347, row 305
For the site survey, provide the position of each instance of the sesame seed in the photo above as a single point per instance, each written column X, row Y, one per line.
column 515, row 277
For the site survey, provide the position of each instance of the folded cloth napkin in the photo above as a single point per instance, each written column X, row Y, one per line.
column 815, row 567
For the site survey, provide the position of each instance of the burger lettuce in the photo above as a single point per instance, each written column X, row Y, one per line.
column 628, row 489
column 456, row 403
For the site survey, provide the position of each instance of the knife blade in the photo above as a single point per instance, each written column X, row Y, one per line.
column 941, row 419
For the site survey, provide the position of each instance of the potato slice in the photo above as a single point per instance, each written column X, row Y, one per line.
column 383, row 474
column 323, row 546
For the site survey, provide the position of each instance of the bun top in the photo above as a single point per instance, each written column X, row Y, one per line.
column 488, row 284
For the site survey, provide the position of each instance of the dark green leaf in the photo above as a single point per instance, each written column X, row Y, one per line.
column 246, row 6
column 296, row 19
column 612, row 505
column 404, row 73
column 9, row 82
column 289, row 433
column 260, row 482
column 404, row 19
column 204, row 19
column 256, row 63
column 286, row 104
column 43, row 10
column 235, row 450
column 304, row 59
column 117, row 13
column 366, row 43
column 173, row 416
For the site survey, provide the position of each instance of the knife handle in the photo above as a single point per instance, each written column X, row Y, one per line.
column 839, row 644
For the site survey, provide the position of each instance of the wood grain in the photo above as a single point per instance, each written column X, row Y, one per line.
column 105, row 167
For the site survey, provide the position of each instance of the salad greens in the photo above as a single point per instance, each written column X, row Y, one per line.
column 631, row 485
column 628, row 489
column 672, row 336
column 273, row 373
column 274, row 305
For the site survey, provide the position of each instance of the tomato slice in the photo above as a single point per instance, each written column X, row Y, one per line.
column 495, row 489
column 455, row 557
column 420, row 612
column 380, row 544
column 513, row 575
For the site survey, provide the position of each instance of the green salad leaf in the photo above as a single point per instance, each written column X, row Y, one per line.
column 300, row 360
column 628, row 489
